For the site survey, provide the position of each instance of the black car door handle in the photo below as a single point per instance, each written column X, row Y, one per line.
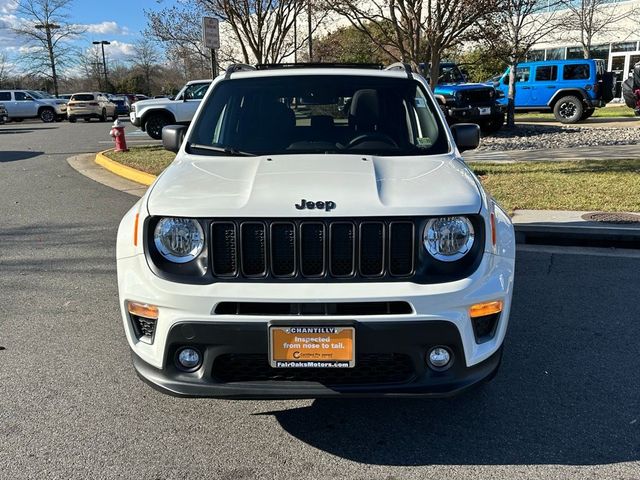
column 526, row 88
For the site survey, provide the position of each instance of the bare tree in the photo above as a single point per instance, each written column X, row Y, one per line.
column 513, row 30
column 145, row 57
column 45, row 27
column 5, row 69
column 264, row 28
column 259, row 31
column 589, row 18
column 415, row 31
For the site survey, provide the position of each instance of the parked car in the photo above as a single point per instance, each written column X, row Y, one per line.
column 331, row 253
column 90, row 105
column 571, row 89
column 4, row 116
column 122, row 105
column 21, row 104
column 467, row 102
column 152, row 115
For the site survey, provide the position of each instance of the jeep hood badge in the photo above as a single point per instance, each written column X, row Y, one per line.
column 327, row 205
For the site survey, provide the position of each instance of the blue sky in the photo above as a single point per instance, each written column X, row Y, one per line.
column 119, row 21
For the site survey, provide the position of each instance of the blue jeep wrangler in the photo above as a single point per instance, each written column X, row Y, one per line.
column 571, row 89
column 467, row 102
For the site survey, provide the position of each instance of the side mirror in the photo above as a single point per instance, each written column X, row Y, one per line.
column 466, row 136
column 173, row 136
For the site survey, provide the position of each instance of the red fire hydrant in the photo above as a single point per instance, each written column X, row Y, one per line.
column 117, row 132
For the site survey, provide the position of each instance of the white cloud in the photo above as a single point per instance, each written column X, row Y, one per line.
column 107, row 28
column 8, row 6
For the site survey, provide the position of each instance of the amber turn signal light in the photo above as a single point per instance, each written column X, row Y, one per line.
column 142, row 310
column 486, row 308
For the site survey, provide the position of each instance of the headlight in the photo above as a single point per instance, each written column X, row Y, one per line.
column 179, row 240
column 448, row 238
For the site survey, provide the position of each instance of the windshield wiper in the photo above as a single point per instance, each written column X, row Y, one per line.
column 228, row 150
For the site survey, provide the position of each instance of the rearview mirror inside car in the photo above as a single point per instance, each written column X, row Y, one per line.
column 172, row 137
column 466, row 136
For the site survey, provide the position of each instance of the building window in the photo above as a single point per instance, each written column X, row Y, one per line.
column 535, row 56
column 600, row 51
column 624, row 47
column 555, row 53
column 574, row 53
column 546, row 73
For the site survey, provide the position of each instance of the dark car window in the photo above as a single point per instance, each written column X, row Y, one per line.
column 580, row 71
column 546, row 73
column 307, row 114
column 6, row 96
column 86, row 97
column 522, row 75
column 196, row 91
column 20, row 96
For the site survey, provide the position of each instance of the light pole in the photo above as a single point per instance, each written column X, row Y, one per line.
column 104, row 62
column 47, row 27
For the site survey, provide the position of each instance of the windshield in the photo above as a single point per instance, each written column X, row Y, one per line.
column 318, row 114
column 450, row 74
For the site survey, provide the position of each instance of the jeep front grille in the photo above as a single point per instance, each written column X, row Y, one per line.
column 312, row 249
column 481, row 96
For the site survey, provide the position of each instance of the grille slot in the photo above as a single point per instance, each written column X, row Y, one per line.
column 312, row 241
column 293, row 249
column 387, row 368
column 401, row 248
column 254, row 249
column 283, row 249
column 224, row 248
column 342, row 249
column 372, row 249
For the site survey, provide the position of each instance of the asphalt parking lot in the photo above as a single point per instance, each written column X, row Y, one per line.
column 565, row 405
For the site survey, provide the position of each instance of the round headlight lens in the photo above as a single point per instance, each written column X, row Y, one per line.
column 179, row 240
column 448, row 238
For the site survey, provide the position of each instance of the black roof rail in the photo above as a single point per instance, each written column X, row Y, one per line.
column 401, row 66
column 267, row 66
column 237, row 67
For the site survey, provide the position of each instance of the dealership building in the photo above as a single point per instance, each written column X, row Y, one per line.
column 618, row 44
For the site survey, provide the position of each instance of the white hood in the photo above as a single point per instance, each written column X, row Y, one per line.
column 197, row 186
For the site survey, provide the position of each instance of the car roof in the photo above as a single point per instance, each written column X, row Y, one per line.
column 564, row 62
column 191, row 82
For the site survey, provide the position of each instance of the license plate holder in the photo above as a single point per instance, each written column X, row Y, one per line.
column 295, row 346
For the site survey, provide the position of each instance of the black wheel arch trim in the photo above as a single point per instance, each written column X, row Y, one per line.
column 565, row 92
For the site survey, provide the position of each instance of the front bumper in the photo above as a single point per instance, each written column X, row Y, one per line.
column 135, row 121
column 474, row 113
column 439, row 314
column 410, row 339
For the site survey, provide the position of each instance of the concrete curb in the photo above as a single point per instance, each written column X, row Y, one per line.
column 123, row 170
column 86, row 165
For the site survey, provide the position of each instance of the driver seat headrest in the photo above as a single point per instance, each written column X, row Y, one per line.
column 364, row 114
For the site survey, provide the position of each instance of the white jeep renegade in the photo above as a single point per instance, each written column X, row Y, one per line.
column 318, row 234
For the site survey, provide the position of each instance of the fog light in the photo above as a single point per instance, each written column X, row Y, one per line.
column 439, row 358
column 188, row 358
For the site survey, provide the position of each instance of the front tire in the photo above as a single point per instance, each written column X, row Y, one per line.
column 47, row 115
column 492, row 125
column 72, row 119
column 568, row 109
column 155, row 124
column 103, row 115
column 587, row 113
